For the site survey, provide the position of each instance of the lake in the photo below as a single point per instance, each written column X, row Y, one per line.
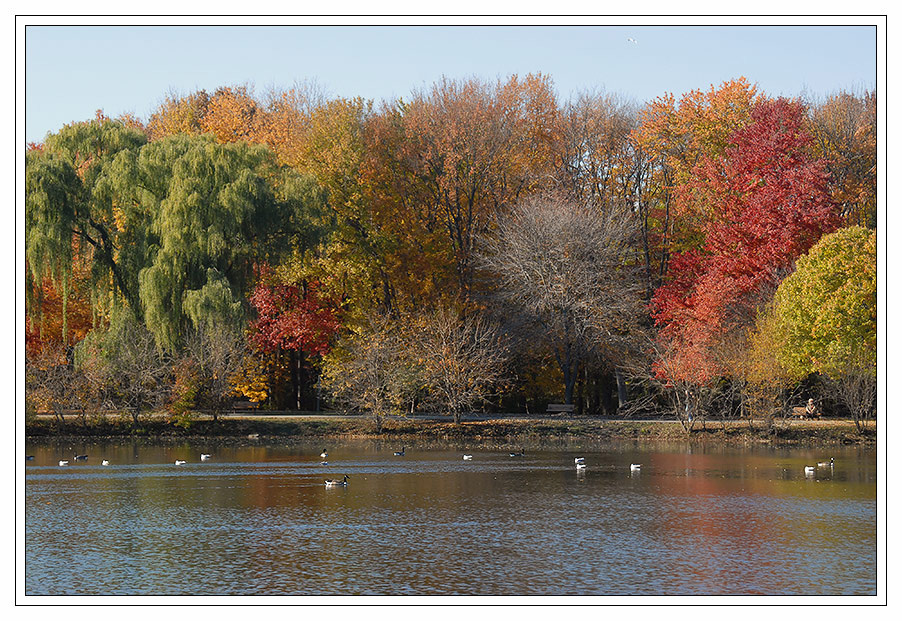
column 258, row 520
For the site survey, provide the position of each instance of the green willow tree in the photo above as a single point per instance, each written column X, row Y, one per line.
column 69, row 210
column 176, row 226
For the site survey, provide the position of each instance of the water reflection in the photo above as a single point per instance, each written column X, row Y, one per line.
column 258, row 520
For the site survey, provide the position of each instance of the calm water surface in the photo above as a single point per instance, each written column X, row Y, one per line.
column 258, row 520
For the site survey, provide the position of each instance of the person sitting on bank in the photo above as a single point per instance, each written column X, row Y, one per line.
column 810, row 409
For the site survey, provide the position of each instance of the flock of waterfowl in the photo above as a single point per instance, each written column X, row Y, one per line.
column 579, row 462
column 106, row 462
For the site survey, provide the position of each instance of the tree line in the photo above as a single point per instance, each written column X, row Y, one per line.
column 477, row 244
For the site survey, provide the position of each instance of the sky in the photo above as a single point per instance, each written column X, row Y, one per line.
column 72, row 71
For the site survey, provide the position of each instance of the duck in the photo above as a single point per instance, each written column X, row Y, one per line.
column 324, row 454
column 205, row 456
column 401, row 452
column 825, row 464
column 520, row 454
column 809, row 469
column 468, row 457
column 81, row 458
column 64, row 462
column 335, row 483
column 179, row 462
column 105, row 462
column 635, row 467
column 579, row 460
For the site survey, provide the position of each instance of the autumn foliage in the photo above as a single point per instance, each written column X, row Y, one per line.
column 366, row 212
column 770, row 203
column 292, row 317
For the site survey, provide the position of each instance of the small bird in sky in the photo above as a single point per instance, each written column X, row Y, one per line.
column 631, row 40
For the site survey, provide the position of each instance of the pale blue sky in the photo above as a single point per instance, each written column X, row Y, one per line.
column 71, row 71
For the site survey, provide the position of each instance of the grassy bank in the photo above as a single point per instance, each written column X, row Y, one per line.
column 504, row 430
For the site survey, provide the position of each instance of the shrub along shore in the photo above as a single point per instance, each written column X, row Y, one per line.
column 509, row 429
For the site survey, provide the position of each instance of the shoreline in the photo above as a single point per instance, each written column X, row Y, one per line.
column 291, row 429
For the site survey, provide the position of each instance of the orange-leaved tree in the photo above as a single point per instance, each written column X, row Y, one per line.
column 676, row 136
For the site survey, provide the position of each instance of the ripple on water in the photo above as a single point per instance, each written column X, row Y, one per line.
column 431, row 523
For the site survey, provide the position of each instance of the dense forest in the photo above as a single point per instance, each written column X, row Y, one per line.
column 480, row 244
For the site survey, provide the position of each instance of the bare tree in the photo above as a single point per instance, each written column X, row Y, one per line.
column 460, row 358
column 596, row 159
column 572, row 270
column 856, row 388
column 52, row 384
column 214, row 356
column 125, row 367
column 370, row 371
column 442, row 360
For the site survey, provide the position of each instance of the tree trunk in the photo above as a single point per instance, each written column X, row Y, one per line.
column 569, row 383
column 581, row 385
column 295, row 379
column 607, row 386
column 621, row 389
column 299, row 361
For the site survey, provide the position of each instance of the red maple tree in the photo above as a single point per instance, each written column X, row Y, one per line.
column 769, row 203
column 293, row 317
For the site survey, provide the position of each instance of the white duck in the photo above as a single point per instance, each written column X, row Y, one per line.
column 179, row 462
